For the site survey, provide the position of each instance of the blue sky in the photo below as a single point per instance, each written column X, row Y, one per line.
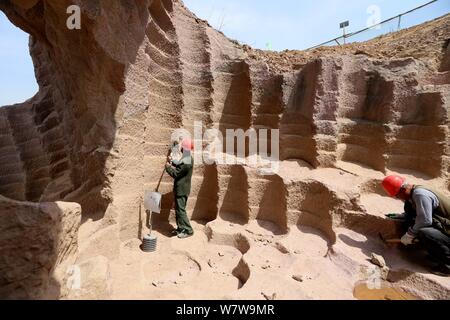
column 300, row 24
column 263, row 24
column 17, row 80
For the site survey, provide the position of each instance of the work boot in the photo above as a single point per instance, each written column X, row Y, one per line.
column 184, row 235
column 442, row 270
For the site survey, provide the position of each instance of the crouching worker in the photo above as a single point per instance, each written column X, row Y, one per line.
column 426, row 219
column 181, row 171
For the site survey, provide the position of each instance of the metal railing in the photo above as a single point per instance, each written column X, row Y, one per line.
column 399, row 17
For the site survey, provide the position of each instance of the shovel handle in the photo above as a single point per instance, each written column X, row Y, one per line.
column 160, row 179
column 389, row 241
column 162, row 174
column 393, row 241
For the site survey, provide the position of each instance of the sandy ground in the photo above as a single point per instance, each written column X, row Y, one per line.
column 257, row 260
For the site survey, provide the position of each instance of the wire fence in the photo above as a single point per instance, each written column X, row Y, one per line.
column 386, row 26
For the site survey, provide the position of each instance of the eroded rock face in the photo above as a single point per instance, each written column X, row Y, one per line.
column 445, row 66
column 35, row 239
column 112, row 93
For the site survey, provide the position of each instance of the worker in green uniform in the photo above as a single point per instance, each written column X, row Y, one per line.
column 181, row 171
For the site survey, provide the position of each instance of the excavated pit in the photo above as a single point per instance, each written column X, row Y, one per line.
column 97, row 133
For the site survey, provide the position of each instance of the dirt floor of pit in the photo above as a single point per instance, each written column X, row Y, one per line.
column 258, row 260
column 227, row 261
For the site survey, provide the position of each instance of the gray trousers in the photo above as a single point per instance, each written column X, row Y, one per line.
column 436, row 243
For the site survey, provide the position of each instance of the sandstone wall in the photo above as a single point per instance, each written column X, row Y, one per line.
column 35, row 240
column 112, row 93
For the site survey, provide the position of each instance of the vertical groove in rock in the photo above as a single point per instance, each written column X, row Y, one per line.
column 204, row 199
column 267, row 101
column 28, row 142
column 12, row 174
column 267, row 199
column 311, row 203
column 296, row 127
column 197, row 85
column 446, row 145
column 233, row 194
column 166, row 92
column 54, row 143
column 232, row 92
column 325, row 112
column 196, row 68
column 420, row 136
column 362, row 115
column 231, row 109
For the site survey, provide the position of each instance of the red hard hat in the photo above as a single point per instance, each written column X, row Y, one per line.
column 393, row 184
column 187, row 144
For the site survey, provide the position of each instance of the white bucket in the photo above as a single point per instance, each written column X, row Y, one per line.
column 152, row 201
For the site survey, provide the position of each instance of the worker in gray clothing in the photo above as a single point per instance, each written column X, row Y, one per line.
column 426, row 219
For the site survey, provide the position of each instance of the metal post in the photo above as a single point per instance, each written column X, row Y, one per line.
column 150, row 222
column 399, row 22
column 343, row 25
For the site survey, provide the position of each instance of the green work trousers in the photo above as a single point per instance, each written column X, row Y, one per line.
column 181, row 216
